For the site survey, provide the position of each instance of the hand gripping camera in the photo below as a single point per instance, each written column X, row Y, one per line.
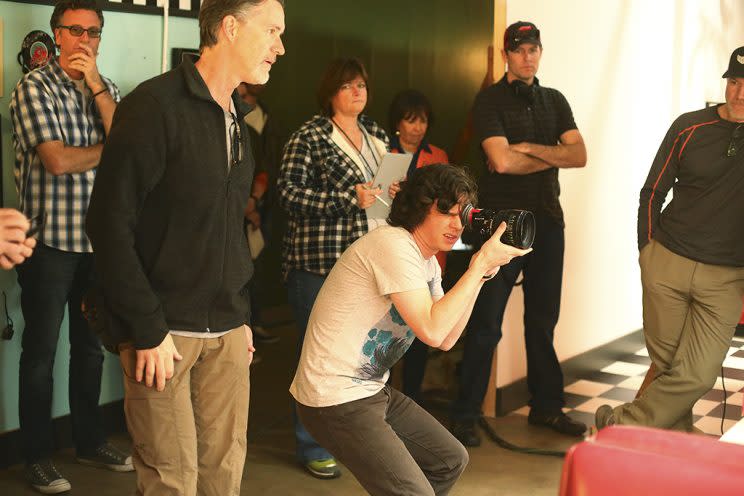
column 520, row 225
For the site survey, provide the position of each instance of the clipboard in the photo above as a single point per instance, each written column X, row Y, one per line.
column 393, row 168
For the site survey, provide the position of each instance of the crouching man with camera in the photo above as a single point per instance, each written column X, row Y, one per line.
column 384, row 291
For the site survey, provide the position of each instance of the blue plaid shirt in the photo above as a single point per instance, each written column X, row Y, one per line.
column 47, row 106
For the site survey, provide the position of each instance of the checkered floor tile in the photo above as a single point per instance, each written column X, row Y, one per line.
column 618, row 382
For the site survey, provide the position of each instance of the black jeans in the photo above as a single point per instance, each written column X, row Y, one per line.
column 543, row 276
column 50, row 281
column 390, row 444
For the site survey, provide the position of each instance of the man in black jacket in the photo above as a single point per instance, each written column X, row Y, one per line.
column 166, row 223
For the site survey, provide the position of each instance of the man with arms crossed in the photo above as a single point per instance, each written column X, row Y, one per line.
column 691, row 258
column 61, row 115
column 166, row 221
column 384, row 291
column 527, row 132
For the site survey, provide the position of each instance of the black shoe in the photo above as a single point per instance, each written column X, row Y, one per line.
column 559, row 422
column 45, row 478
column 107, row 456
column 604, row 416
column 261, row 335
column 466, row 433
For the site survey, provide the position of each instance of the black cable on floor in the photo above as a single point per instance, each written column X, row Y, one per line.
column 725, row 394
column 513, row 447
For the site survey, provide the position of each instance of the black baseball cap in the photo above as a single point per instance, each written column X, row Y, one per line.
column 736, row 64
column 521, row 32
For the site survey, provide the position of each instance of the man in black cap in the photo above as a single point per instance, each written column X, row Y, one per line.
column 527, row 132
column 691, row 258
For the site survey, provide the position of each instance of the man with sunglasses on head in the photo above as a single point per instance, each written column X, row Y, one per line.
column 691, row 258
column 527, row 133
column 61, row 114
column 166, row 221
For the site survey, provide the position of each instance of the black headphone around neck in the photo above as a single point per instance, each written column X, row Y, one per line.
column 524, row 91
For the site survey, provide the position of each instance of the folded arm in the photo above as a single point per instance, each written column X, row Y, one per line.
column 504, row 160
column 569, row 153
column 527, row 158
column 58, row 159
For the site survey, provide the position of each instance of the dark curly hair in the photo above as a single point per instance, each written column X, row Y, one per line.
column 63, row 6
column 445, row 184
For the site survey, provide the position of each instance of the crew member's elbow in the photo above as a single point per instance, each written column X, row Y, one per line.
column 429, row 338
column 446, row 345
column 501, row 166
column 582, row 159
column 54, row 166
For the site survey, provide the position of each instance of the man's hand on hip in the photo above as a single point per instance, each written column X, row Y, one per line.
column 251, row 348
column 156, row 364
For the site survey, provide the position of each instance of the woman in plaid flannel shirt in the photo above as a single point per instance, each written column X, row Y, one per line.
column 325, row 186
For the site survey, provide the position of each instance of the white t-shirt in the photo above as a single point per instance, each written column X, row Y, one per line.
column 355, row 334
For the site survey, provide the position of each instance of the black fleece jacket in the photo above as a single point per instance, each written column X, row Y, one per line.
column 166, row 216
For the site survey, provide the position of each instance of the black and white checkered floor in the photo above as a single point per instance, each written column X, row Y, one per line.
column 618, row 382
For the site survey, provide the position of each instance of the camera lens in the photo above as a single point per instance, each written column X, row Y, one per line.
column 520, row 225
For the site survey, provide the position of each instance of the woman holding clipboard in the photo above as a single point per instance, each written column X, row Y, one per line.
column 325, row 186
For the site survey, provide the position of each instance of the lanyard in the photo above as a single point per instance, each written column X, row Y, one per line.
column 361, row 156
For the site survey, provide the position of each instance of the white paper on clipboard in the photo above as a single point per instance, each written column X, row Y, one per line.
column 393, row 168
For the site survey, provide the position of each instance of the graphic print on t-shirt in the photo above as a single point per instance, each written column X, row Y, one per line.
column 386, row 343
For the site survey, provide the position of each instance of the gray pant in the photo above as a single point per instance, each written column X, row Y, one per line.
column 690, row 312
column 390, row 444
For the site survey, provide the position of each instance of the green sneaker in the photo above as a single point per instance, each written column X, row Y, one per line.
column 323, row 469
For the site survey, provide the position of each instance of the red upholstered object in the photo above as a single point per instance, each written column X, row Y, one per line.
column 632, row 461
column 742, row 317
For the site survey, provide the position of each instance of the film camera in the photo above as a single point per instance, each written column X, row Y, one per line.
column 520, row 225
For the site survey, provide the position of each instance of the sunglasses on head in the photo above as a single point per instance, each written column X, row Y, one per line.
column 733, row 147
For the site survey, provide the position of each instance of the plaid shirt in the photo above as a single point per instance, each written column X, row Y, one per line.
column 316, row 188
column 47, row 106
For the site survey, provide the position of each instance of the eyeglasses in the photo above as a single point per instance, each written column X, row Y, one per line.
column 78, row 30
column 236, row 148
column 733, row 146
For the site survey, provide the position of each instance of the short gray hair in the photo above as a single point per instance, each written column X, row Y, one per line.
column 212, row 12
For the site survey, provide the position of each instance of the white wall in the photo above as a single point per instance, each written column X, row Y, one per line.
column 628, row 68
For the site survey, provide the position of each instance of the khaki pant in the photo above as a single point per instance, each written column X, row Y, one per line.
column 690, row 312
column 191, row 438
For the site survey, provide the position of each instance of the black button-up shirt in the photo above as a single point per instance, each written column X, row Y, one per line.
column 542, row 119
